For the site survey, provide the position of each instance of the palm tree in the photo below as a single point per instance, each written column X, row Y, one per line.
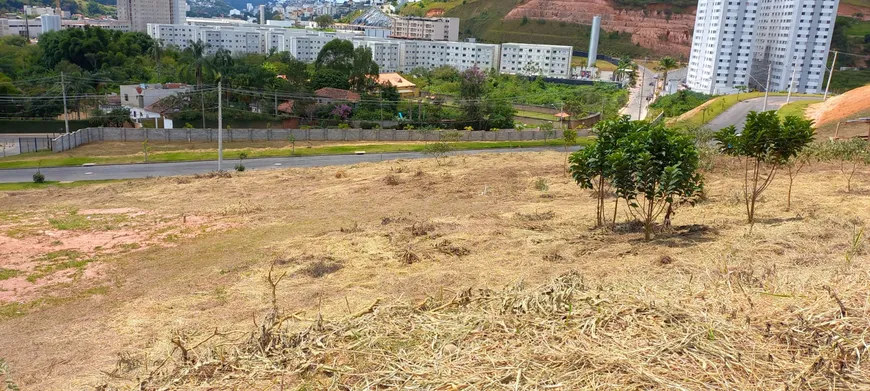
column 666, row 64
column 199, row 63
column 626, row 67
column 156, row 52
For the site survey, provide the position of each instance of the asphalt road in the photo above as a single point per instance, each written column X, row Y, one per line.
column 736, row 115
column 131, row 171
column 637, row 96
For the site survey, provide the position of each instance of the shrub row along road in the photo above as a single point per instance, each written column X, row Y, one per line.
column 142, row 170
column 736, row 115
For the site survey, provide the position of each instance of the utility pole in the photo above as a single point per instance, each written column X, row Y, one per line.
column 65, row 113
column 220, row 129
column 767, row 88
column 640, row 98
column 830, row 76
column 791, row 83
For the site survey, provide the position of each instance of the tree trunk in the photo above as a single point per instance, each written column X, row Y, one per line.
column 788, row 199
column 647, row 224
column 615, row 206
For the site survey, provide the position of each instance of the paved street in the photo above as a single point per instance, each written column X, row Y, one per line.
column 736, row 115
column 130, row 171
column 637, row 96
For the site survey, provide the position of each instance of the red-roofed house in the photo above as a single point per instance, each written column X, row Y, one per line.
column 331, row 95
column 286, row 107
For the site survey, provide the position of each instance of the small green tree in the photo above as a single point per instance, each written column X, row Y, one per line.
column 848, row 154
column 767, row 143
column 292, row 141
column 590, row 166
column 324, row 21
column 569, row 136
column 653, row 169
column 797, row 163
column 740, row 88
column 242, row 156
column 437, row 150
column 146, row 148
column 547, row 128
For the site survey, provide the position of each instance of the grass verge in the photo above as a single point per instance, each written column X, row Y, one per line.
column 716, row 106
column 796, row 108
column 59, row 160
column 49, row 184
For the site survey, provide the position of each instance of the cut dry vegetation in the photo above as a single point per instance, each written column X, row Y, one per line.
column 463, row 278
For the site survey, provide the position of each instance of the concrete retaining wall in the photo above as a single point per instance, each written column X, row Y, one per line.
column 84, row 136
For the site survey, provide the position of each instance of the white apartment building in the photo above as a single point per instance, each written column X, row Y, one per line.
column 459, row 55
column 531, row 59
column 142, row 12
column 721, row 56
column 391, row 55
column 742, row 42
column 435, row 29
column 30, row 28
column 793, row 37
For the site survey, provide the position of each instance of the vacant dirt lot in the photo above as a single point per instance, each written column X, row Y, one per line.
column 123, row 269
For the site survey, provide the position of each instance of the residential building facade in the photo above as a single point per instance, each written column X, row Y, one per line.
column 435, row 29
column 391, row 55
column 139, row 13
column 741, row 43
column 144, row 95
column 530, row 59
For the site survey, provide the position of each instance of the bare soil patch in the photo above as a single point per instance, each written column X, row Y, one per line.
column 840, row 107
column 464, row 277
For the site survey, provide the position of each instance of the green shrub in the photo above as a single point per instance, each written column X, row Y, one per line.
column 38, row 177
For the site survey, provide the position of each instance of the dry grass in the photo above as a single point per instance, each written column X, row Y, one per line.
column 482, row 284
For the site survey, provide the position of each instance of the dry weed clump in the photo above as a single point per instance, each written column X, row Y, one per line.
column 392, row 180
column 340, row 174
column 240, row 209
column 446, row 247
column 321, row 267
column 536, row 216
column 566, row 335
column 213, row 174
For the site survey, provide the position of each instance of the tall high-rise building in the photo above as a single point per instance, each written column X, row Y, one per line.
column 142, row 12
column 742, row 42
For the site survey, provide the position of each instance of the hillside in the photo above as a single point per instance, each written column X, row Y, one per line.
column 643, row 26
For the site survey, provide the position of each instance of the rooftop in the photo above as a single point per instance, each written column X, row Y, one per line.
column 337, row 94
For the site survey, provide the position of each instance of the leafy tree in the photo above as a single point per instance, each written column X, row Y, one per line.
column 364, row 69
column 327, row 77
column 500, row 114
column 199, row 64
column 472, row 87
column 767, row 143
column 682, row 101
column 324, row 21
column 654, row 168
column 337, row 55
column 590, row 166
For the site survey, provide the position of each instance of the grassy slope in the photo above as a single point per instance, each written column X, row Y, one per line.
column 718, row 106
column 48, row 159
column 795, row 108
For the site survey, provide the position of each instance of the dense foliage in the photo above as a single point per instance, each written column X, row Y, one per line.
column 94, row 62
column 651, row 167
column 531, row 91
